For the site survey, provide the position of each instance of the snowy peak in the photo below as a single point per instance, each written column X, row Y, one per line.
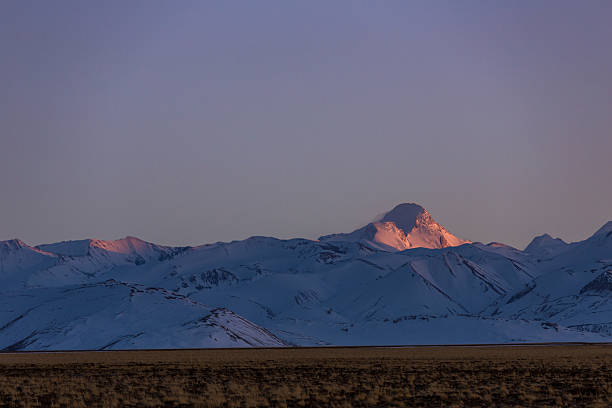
column 136, row 250
column 128, row 249
column 127, row 245
column 18, row 260
column 12, row 245
column 83, row 247
column 406, row 216
column 68, row 248
column 545, row 245
column 406, row 226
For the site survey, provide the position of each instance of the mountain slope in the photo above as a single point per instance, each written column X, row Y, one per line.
column 345, row 289
column 116, row 315
column 573, row 289
column 19, row 260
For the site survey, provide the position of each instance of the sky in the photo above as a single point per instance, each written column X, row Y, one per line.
column 192, row 122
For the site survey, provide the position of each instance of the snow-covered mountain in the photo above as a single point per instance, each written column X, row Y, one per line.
column 573, row 289
column 401, row 280
column 546, row 246
column 406, row 226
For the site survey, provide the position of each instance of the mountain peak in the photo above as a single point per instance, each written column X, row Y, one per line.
column 82, row 247
column 407, row 225
column 13, row 244
column 546, row 245
column 546, row 239
column 405, row 215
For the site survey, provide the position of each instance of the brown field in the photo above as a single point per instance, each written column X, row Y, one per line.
column 538, row 376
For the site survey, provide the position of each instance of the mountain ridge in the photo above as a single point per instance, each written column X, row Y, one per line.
column 129, row 293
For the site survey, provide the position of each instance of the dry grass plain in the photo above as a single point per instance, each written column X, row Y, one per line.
column 538, row 376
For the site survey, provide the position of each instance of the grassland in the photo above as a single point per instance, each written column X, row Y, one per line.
column 539, row 376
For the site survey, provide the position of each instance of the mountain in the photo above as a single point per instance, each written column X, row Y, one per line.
column 125, row 250
column 18, row 259
column 573, row 288
column 345, row 289
column 545, row 246
column 406, row 226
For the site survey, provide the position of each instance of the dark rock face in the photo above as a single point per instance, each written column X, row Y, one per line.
column 404, row 215
column 215, row 277
column 602, row 283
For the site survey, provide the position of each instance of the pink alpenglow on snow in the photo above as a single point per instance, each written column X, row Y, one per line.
column 406, row 226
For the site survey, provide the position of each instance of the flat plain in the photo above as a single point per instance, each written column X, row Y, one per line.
column 440, row 376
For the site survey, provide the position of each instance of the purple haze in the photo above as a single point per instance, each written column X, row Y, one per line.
column 195, row 121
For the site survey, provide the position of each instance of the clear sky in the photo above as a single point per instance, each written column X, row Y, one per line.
column 187, row 122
